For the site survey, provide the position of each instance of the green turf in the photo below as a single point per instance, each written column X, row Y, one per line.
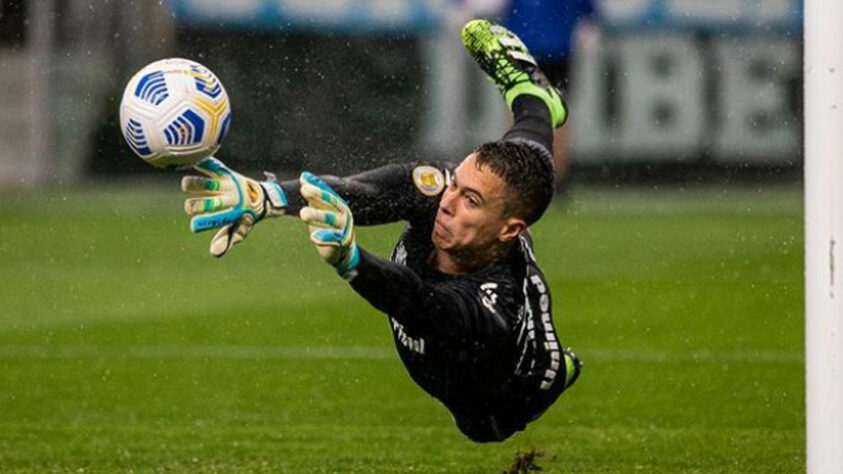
column 125, row 347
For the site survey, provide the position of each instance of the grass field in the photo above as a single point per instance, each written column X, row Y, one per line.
column 125, row 347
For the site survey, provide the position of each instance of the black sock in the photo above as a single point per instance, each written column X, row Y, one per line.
column 532, row 123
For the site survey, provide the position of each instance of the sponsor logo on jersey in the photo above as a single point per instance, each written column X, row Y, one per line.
column 551, row 344
column 537, row 330
column 429, row 180
column 412, row 343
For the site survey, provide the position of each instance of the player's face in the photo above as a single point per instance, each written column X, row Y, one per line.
column 471, row 212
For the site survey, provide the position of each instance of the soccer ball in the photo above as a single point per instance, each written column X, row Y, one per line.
column 174, row 113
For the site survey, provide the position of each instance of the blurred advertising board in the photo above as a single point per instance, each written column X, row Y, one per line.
column 685, row 80
column 671, row 96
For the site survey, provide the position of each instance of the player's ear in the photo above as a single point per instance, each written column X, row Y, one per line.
column 511, row 229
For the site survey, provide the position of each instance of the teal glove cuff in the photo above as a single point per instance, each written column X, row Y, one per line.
column 346, row 267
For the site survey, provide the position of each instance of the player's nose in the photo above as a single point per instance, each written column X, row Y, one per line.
column 446, row 204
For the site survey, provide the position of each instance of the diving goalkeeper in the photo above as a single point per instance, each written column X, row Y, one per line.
column 469, row 308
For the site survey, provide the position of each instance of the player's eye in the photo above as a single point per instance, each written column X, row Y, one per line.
column 472, row 201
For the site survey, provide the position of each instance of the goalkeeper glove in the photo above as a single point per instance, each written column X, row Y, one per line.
column 331, row 225
column 229, row 201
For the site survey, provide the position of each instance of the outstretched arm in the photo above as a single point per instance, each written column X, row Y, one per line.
column 378, row 196
column 233, row 203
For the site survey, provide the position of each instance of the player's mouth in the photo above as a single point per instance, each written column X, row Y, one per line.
column 440, row 230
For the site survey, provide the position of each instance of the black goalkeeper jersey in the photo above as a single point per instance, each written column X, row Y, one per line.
column 483, row 344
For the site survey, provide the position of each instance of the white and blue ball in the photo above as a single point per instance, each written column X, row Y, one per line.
column 174, row 113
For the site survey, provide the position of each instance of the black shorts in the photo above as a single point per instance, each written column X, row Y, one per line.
column 487, row 428
column 496, row 421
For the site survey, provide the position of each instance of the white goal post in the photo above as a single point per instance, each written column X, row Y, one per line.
column 824, row 235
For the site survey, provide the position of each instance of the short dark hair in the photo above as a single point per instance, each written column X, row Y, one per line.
column 527, row 172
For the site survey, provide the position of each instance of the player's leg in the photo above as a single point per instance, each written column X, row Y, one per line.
column 537, row 106
column 531, row 124
column 502, row 55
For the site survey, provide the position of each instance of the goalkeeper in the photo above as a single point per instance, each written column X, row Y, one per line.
column 468, row 306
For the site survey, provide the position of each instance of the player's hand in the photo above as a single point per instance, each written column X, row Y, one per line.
column 331, row 224
column 230, row 202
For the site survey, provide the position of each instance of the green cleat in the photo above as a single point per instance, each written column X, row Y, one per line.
column 503, row 56
column 573, row 366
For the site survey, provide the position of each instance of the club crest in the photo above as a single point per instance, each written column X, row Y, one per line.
column 428, row 180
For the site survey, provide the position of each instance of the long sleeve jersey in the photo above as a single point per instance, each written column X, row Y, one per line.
column 483, row 344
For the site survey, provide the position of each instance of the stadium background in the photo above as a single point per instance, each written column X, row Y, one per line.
column 668, row 83
column 675, row 261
